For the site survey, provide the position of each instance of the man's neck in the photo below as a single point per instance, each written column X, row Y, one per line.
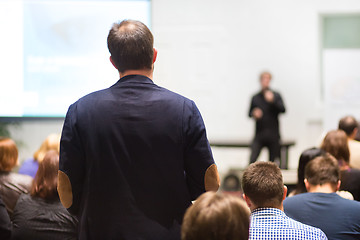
column 324, row 188
column 145, row 72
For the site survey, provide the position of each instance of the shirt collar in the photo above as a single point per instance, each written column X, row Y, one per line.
column 135, row 78
column 267, row 212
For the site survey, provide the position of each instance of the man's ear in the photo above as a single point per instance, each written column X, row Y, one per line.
column 307, row 184
column 247, row 200
column 112, row 62
column 155, row 55
column 285, row 192
column 338, row 185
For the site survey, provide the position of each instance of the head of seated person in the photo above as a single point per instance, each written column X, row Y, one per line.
column 263, row 186
column 336, row 143
column 215, row 217
column 322, row 175
column 8, row 155
column 349, row 125
column 305, row 157
column 52, row 142
column 46, row 179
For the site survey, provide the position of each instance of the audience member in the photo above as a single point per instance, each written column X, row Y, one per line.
column 5, row 224
column 305, row 157
column 12, row 185
column 335, row 143
column 351, row 127
column 216, row 217
column 133, row 156
column 264, row 192
column 30, row 166
column 321, row 207
column 231, row 185
column 40, row 215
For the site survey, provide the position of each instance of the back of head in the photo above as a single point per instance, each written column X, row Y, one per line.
column 322, row 170
column 336, row 143
column 131, row 46
column 45, row 181
column 262, row 182
column 8, row 154
column 348, row 124
column 216, row 217
column 305, row 157
column 52, row 142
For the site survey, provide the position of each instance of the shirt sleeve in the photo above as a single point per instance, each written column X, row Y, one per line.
column 278, row 103
column 72, row 162
column 198, row 157
column 252, row 106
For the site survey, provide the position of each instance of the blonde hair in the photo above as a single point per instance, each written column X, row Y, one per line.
column 8, row 154
column 52, row 142
column 216, row 217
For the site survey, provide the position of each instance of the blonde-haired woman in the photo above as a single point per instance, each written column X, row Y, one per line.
column 30, row 166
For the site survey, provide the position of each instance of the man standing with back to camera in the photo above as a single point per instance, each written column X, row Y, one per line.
column 133, row 156
column 265, row 108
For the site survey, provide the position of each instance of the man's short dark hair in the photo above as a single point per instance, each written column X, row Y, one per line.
column 262, row 182
column 323, row 169
column 348, row 124
column 131, row 46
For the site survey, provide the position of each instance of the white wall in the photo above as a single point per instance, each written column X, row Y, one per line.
column 212, row 52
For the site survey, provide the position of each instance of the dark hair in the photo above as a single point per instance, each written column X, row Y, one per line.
column 336, row 143
column 323, row 169
column 8, row 154
column 131, row 45
column 231, row 183
column 348, row 124
column 262, row 182
column 216, row 217
column 305, row 157
column 45, row 181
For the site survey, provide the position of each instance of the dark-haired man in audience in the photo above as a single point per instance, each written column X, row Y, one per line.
column 133, row 156
column 264, row 192
column 321, row 207
column 351, row 127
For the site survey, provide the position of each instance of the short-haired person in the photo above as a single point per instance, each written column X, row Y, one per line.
column 133, row 156
column 12, row 185
column 265, row 108
column 40, row 215
column 264, row 192
column 336, row 143
column 321, row 207
column 216, row 217
column 351, row 127
column 305, row 157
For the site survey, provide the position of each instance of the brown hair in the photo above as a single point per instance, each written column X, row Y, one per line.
column 216, row 217
column 348, row 124
column 45, row 181
column 323, row 169
column 8, row 154
column 262, row 182
column 336, row 143
column 52, row 142
column 131, row 45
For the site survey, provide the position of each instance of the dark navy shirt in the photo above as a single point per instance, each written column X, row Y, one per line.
column 136, row 156
column 339, row 218
column 268, row 125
